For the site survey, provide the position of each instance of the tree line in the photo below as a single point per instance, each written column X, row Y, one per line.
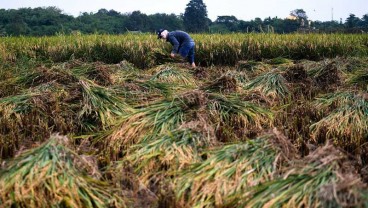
column 43, row 21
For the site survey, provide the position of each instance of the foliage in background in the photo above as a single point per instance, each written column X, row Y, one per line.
column 52, row 20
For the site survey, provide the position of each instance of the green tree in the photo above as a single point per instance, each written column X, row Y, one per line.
column 300, row 14
column 195, row 16
column 365, row 21
column 245, row 26
column 170, row 22
column 137, row 21
column 230, row 22
column 352, row 21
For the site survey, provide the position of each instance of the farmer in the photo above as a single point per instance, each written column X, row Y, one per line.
column 182, row 43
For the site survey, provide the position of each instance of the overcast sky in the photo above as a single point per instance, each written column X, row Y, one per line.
column 323, row 10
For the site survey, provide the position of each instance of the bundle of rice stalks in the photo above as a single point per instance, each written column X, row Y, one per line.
column 271, row 84
column 98, row 72
column 353, row 64
column 167, row 153
column 32, row 116
column 325, row 178
column 296, row 119
column 253, row 67
column 224, row 84
column 104, row 74
column 157, row 160
column 161, row 56
column 171, row 74
column 142, row 92
column 122, row 175
column 51, row 175
column 42, row 75
column 236, row 119
column 296, row 73
column 300, row 84
column 230, row 170
column 359, row 78
column 151, row 120
column 169, row 114
column 201, row 73
column 279, row 61
column 327, row 76
column 346, row 121
column 100, row 102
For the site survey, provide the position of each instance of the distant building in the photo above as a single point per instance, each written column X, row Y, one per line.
column 292, row 17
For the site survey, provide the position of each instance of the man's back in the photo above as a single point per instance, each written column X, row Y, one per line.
column 180, row 36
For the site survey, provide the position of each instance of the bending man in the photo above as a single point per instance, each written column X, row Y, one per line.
column 182, row 43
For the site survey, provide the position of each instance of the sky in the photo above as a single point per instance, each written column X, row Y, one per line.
column 322, row 10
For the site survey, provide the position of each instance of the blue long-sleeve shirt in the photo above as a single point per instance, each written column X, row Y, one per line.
column 178, row 38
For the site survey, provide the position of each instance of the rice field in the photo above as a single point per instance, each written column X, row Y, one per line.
column 265, row 120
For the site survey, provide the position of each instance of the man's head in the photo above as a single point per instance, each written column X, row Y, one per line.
column 162, row 33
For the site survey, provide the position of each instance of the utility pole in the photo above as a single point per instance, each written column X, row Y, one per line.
column 332, row 14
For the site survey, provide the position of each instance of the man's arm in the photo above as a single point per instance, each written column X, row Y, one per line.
column 175, row 44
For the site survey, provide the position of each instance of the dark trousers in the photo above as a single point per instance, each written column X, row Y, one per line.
column 187, row 51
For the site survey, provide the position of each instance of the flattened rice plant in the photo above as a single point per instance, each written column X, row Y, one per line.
column 224, row 84
column 327, row 76
column 32, row 116
column 171, row 74
column 346, row 121
column 168, row 114
column 101, row 101
column 359, row 78
column 149, row 120
column 51, row 175
column 227, row 171
column 141, row 92
column 235, row 118
column 167, row 153
column 272, row 84
column 324, row 178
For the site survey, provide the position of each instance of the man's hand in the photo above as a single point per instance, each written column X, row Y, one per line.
column 172, row 55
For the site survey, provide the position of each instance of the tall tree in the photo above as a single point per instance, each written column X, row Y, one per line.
column 365, row 21
column 300, row 13
column 195, row 16
column 229, row 22
column 352, row 21
column 137, row 21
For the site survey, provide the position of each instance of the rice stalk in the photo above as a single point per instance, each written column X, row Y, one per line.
column 228, row 170
column 101, row 102
column 171, row 74
column 168, row 114
column 237, row 113
column 272, row 84
column 166, row 153
column 48, row 176
column 150, row 120
column 326, row 76
column 224, row 84
column 141, row 91
column 360, row 78
column 346, row 121
column 322, row 179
